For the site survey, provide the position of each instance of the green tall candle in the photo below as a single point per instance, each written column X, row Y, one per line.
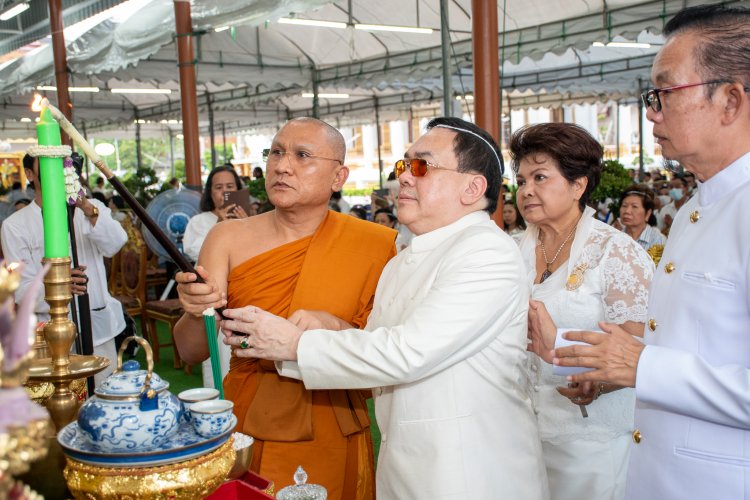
column 52, row 177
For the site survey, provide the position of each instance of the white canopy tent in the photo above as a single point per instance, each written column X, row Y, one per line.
column 253, row 75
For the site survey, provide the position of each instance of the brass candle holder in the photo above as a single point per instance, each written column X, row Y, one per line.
column 61, row 368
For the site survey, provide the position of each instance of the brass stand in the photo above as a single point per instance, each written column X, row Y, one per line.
column 61, row 368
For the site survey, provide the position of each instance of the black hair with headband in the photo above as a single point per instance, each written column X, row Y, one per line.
column 476, row 151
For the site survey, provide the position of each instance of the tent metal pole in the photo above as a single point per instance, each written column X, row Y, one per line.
column 224, row 139
column 617, row 128
column 445, row 45
column 188, row 98
column 486, row 49
column 211, row 131
column 486, row 73
column 137, row 140
column 61, row 63
column 640, row 133
column 380, row 141
column 316, row 99
column 171, row 151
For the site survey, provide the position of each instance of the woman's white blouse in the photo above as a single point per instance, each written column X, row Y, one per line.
column 614, row 274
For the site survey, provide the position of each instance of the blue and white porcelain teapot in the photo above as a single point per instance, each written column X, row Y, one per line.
column 132, row 410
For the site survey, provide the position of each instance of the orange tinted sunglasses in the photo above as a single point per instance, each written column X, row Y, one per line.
column 417, row 166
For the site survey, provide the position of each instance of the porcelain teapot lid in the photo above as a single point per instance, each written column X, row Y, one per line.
column 129, row 380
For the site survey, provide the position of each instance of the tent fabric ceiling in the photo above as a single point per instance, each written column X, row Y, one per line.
column 255, row 74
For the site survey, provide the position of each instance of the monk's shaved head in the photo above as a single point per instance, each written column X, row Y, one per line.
column 333, row 137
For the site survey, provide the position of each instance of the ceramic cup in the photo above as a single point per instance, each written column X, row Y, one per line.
column 212, row 418
column 192, row 396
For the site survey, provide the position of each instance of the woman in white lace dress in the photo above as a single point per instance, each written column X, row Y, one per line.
column 584, row 271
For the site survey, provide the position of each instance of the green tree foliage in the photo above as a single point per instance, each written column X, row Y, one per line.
column 615, row 178
column 143, row 184
column 257, row 189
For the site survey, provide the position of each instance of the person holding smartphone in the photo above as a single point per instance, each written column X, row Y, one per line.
column 221, row 180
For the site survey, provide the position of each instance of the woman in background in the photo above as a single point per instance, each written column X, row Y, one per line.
column 220, row 180
column 637, row 216
column 513, row 223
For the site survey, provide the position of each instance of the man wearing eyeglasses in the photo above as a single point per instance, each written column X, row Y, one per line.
column 445, row 344
column 299, row 257
column 692, row 377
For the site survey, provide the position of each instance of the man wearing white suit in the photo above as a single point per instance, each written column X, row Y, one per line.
column 445, row 343
column 692, row 377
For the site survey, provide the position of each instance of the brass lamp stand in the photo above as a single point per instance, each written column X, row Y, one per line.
column 61, row 368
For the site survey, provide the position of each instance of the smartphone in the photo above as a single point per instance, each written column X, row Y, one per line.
column 240, row 198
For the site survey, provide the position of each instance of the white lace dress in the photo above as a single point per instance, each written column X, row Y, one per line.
column 614, row 274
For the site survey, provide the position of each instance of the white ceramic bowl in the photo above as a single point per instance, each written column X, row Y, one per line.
column 191, row 396
column 211, row 418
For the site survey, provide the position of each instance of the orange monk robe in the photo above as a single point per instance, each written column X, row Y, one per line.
column 327, row 432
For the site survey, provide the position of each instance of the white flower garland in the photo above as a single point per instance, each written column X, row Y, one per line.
column 49, row 151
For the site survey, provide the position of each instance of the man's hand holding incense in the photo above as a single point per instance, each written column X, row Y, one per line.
column 255, row 333
column 197, row 297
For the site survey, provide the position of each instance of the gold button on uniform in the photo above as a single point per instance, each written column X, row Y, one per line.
column 636, row 436
column 694, row 216
column 652, row 325
column 669, row 268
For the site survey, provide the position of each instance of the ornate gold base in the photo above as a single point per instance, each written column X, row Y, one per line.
column 193, row 479
column 63, row 402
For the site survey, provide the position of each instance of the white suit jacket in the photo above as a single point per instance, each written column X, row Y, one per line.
column 693, row 378
column 445, row 349
column 22, row 236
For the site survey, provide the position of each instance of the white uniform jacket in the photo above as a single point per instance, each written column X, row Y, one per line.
column 693, row 378
column 445, row 348
column 23, row 241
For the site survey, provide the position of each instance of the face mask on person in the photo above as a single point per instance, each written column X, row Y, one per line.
column 664, row 199
column 675, row 194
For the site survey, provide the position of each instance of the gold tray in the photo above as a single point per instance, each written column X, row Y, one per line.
column 41, row 370
column 193, row 479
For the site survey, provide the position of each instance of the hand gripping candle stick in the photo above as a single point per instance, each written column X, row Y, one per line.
column 165, row 242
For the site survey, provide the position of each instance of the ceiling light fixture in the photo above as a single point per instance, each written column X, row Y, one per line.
column 52, row 88
column 220, row 29
column 624, row 45
column 14, row 11
column 310, row 95
column 312, row 22
column 141, row 91
column 398, row 29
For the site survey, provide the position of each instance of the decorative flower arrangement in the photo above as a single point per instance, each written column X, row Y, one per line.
column 73, row 189
column 655, row 252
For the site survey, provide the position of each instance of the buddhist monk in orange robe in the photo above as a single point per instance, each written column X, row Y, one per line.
column 316, row 267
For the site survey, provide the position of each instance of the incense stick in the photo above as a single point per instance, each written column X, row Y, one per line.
column 209, row 319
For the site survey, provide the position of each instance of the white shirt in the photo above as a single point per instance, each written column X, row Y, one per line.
column 614, row 288
column 195, row 233
column 444, row 346
column 693, row 377
column 23, row 241
column 649, row 237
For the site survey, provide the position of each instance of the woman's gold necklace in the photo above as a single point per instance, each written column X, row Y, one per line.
column 548, row 263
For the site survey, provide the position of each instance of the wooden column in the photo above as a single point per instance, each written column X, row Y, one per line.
column 486, row 73
column 188, row 99
column 61, row 64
